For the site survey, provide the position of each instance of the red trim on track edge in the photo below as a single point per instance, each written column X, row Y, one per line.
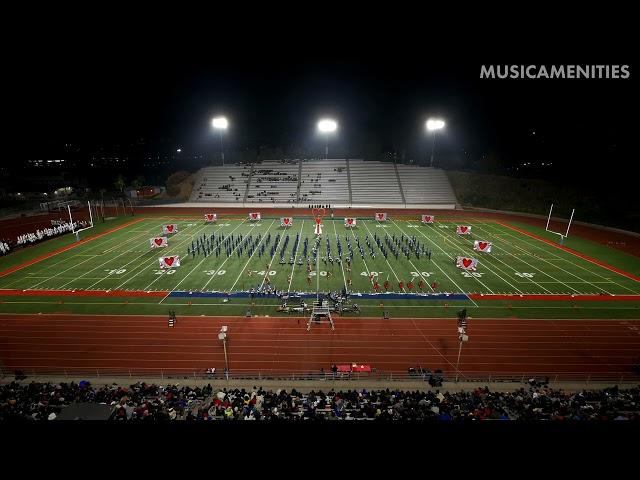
column 81, row 293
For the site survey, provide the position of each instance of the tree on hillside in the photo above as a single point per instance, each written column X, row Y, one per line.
column 138, row 182
column 119, row 183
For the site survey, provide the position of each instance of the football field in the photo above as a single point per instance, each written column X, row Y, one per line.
column 517, row 264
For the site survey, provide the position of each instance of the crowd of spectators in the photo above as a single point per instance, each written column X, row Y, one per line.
column 46, row 233
column 143, row 401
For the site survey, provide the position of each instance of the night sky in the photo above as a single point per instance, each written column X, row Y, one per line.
column 100, row 91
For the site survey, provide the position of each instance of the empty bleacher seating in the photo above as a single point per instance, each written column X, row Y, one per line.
column 324, row 181
column 425, row 185
column 373, row 182
column 332, row 181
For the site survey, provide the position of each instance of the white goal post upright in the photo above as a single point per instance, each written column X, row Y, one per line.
column 77, row 232
column 562, row 235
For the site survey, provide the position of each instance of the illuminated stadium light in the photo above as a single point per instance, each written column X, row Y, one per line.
column 327, row 125
column 220, row 123
column 435, row 124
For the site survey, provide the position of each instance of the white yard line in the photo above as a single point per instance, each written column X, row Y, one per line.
column 344, row 277
column 99, row 243
column 539, row 244
column 294, row 261
column 417, row 269
column 445, row 273
column 165, row 252
column 175, row 287
column 530, row 280
column 275, row 251
column 66, row 260
column 220, row 267
column 560, row 268
column 456, row 241
column 363, row 260
column 117, row 256
column 392, row 270
column 254, row 252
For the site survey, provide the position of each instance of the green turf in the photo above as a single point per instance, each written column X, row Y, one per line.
column 518, row 264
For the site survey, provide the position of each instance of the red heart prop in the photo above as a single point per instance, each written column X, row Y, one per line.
column 169, row 228
column 158, row 241
column 482, row 245
column 286, row 221
column 209, row 217
column 254, row 215
column 427, row 219
column 463, row 229
column 318, row 220
column 349, row 221
column 168, row 260
column 466, row 262
column 380, row 216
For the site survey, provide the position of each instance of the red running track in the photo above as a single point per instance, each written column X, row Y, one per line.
column 145, row 343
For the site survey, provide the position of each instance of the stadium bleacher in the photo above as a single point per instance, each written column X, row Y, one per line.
column 274, row 182
column 226, row 183
column 324, row 182
column 425, row 185
column 333, row 181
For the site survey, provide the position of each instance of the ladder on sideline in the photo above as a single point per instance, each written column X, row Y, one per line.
column 320, row 311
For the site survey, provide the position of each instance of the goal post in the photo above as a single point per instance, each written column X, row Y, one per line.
column 77, row 231
column 564, row 234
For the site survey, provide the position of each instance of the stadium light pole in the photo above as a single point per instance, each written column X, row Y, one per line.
column 327, row 126
column 222, row 335
column 462, row 337
column 433, row 125
column 220, row 124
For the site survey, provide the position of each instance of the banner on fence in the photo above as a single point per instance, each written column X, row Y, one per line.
column 466, row 263
column 210, row 217
column 172, row 228
column 169, row 262
column 428, row 218
column 349, row 222
column 158, row 242
column 463, row 229
column 480, row 246
column 254, row 216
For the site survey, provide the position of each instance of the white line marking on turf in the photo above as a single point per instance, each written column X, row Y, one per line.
column 294, row 262
column 344, row 277
column 169, row 249
column 392, row 270
column 559, row 268
column 434, row 262
column 117, row 256
column 539, row 245
column 175, row 287
column 231, row 256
